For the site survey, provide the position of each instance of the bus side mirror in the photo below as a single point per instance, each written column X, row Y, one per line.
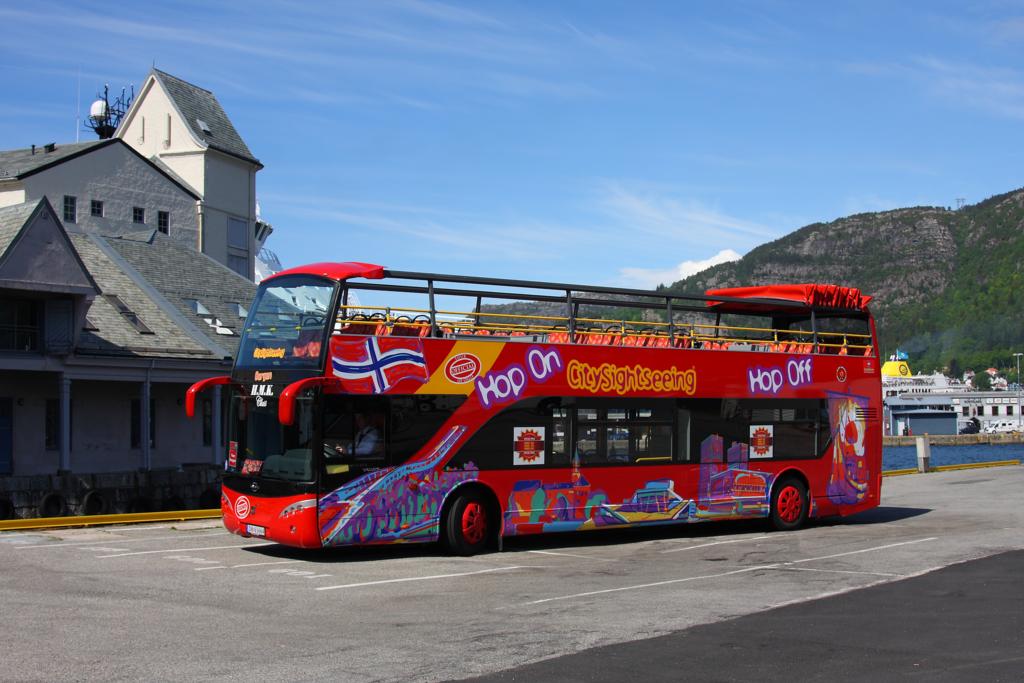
column 286, row 404
column 199, row 387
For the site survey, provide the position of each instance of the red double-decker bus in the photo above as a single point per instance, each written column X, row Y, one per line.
column 376, row 406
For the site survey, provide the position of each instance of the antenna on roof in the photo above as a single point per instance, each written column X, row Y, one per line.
column 960, row 201
column 78, row 106
column 104, row 116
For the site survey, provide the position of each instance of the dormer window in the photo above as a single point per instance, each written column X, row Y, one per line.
column 138, row 215
column 197, row 307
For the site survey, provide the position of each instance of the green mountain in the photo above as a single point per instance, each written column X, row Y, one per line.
column 948, row 285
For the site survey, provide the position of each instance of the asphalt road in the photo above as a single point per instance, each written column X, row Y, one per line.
column 960, row 623
column 190, row 602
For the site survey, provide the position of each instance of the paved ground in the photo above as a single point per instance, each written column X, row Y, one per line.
column 961, row 623
column 190, row 602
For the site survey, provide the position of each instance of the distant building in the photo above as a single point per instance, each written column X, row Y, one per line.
column 101, row 186
column 935, row 404
column 126, row 272
column 183, row 127
column 100, row 336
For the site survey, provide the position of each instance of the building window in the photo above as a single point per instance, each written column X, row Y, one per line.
column 96, row 208
column 1009, row 410
column 163, row 222
column 238, row 233
column 136, row 423
column 138, row 215
column 19, row 325
column 239, row 264
column 127, row 313
column 70, row 209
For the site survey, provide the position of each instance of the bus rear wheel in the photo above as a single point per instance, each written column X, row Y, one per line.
column 467, row 525
column 789, row 504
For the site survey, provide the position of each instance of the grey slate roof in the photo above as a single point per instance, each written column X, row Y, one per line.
column 18, row 163
column 179, row 273
column 153, row 275
column 12, row 219
column 115, row 335
column 198, row 104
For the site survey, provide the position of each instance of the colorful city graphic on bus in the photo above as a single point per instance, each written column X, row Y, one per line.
column 404, row 503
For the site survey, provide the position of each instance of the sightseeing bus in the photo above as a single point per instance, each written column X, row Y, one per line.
column 372, row 406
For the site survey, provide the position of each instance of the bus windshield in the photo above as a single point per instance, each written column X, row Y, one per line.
column 260, row 446
column 287, row 324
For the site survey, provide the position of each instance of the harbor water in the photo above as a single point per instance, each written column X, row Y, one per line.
column 905, row 457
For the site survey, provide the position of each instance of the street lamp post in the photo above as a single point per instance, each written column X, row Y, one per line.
column 1018, row 355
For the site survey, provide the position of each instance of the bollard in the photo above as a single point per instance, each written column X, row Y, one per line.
column 924, row 454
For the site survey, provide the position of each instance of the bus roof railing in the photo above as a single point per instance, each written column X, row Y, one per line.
column 785, row 304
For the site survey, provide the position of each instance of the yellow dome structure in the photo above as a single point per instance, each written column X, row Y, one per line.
column 896, row 368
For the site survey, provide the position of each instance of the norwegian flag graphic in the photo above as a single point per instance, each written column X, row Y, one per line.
column 373, row 365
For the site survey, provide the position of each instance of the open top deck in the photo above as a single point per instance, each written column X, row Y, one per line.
column 804, row 318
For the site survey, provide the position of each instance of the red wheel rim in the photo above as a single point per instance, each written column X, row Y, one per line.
column 474, row 523
column 790, row 504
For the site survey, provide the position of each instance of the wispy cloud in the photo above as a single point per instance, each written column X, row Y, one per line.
column 996, row 90
column 649, row 278
column 446, row 13
column 374, row 225
column 684, row 220
column 869, row 204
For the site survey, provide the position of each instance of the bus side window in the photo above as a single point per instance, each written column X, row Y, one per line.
column 682, row 435
column 415, row 420
column 560, row 431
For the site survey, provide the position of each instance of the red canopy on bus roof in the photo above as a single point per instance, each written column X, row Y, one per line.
column 824, row 296
column 335, row 271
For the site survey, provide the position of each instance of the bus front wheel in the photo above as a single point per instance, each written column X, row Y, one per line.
column 789, row 504
column 467, row 525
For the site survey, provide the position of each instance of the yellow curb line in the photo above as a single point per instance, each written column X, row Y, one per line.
column 898, row 473
column 948, row 468
column 182, row 515
column 976, row 465
column 96, row 520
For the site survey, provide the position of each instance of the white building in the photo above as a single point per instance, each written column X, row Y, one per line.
column 117, row 293
column 183, row 127
column 903, row 390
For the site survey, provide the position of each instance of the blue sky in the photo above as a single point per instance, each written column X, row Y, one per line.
column 620, row 143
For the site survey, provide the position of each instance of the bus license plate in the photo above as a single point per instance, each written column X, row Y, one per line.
column 254, row 530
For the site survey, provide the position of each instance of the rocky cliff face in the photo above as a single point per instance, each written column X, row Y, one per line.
column 944, row 281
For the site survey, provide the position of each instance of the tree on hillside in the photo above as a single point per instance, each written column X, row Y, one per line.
column 954, row 368
column 982, row 382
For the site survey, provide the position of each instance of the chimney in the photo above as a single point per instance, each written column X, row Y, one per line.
column 33, row 150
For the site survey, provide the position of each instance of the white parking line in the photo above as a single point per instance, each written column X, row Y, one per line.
column 582, row 557
column 185, row 550
column 651, row 585
column 261, row 564
column 863, row 550
column 780, row 565
column 203, row 569
column 421, row 578
column 85, row 544
column 838, row 571
column 706, row 545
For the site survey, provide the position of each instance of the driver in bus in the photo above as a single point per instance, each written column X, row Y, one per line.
column 367, row 441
